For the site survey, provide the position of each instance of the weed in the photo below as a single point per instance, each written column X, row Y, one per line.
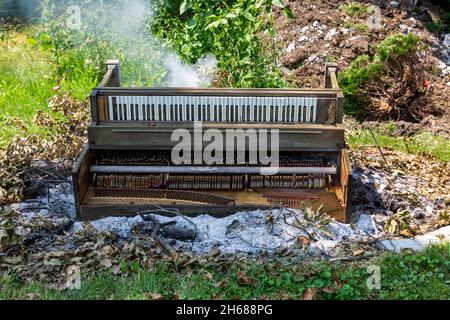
column 361, row 27
column 355, row 9
column 422, row 143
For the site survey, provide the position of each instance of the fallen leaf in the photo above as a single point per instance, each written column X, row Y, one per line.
column 310, row 294
column 406, row 233
column 153, row 296
column 358, row 252
column 244, row 279
column 303, row 241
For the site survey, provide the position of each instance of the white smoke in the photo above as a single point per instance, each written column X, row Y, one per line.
column 123, row 24
column 181, row 74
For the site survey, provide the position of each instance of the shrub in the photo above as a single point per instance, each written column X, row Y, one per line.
column 231, row 31
column 388, row 85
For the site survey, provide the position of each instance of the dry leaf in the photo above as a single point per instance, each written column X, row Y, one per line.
column 406, row 233
column 303, row 241
column 153, row 296
column 310, row 294
column 244, row 279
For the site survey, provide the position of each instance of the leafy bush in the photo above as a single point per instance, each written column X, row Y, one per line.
column 388, row 85
column 231, row 31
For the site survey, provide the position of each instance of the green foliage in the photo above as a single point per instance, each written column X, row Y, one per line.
column 423, row 275
column 107, row 31
column 355, row 9
column 423, row 143
column 26, row 83
column 444, row 23
column 397, row 46
column 361, row 27
column 365, row 68
column 231, row 31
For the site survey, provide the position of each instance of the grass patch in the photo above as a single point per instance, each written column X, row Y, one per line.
column 355, row 9
column 26, row 83
column 361, row 27
column 422, row 143
column 423, row 275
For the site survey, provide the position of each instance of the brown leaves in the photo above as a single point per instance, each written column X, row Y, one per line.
column 10, row 234
column 66, row 138
column 242, row 278
column 310, row 294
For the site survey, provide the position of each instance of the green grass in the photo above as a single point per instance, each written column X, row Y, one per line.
column 25, row 85
column 424, row 275
column 422, row 143
column 361, row 27
column 355, row 9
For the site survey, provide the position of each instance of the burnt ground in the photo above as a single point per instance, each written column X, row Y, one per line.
column 322, row 32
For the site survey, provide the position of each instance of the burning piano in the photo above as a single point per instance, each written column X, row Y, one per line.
column 213, row 151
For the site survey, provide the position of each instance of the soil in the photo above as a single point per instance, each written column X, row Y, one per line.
column 322, row 32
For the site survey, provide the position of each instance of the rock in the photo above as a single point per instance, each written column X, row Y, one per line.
column 316, row 24
column 447, row 41
column 438, row 236
column 394, row 4
column 366, row 224
column 303, row 38
column 304, row 29
column 359, row 44
column 398, row 245
column 331, row 34
column 290, row 47
column 312, row 58
column 418, row 213
column 420, row 242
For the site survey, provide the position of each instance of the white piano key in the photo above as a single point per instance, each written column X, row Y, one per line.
column 267, row 107
column 239, row 109
column 143, row 108
column 315, row 110
column 252, row 109
column 195, row 106
column 228, row 106
column 180, row 108
column 308, row 110
column 122, row 108
column 183, row 108
column 280, row 111
column 110, row 109
column 128, row 108
column 157, row 108
column 166, row 109
column 210, row 106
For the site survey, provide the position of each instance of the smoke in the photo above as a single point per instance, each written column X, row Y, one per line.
column 146, row 60
column 181, row 74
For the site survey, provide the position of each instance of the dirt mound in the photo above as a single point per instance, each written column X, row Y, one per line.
column 323, row 31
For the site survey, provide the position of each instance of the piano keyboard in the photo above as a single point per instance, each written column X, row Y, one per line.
column 211, row 109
